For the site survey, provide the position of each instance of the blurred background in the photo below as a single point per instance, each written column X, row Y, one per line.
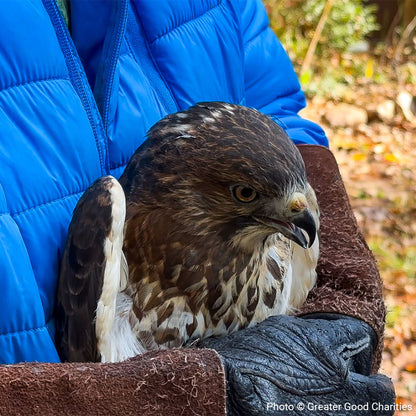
column 356, row 61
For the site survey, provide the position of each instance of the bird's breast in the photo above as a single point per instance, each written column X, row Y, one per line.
column 254, row 294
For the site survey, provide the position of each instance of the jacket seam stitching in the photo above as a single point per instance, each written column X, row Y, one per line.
column 53, row 201
column 24, row 331
column 36, row 81
column 185, row 23
column 248, row 44
column 118, row 165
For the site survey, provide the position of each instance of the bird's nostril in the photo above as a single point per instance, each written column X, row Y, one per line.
column 298, row 203
column 297, row 209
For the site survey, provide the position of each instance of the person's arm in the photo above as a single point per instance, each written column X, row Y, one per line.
column 348, row 279
column 270, row 81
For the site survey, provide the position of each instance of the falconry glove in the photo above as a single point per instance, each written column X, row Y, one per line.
column 295, row 366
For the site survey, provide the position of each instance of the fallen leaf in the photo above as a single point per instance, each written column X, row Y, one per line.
column 369, row 69
column 389, row 157
column 411, row 367
column 359, row 156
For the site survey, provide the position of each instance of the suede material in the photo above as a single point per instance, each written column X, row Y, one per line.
column 169, row 383
column 348, row 279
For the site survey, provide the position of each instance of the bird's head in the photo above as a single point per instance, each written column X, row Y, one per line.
column 224, row 170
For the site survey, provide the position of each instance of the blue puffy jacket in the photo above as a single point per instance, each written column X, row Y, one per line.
column 75, row 107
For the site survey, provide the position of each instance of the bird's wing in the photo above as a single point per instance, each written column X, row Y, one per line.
column 92, row 271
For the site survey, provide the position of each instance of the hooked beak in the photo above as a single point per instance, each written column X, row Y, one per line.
column 292, row 229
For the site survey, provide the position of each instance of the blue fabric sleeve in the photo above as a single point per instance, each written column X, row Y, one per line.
column 23, row 332
column 270, row 80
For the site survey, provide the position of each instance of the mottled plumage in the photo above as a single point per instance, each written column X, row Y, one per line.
column 215, row 199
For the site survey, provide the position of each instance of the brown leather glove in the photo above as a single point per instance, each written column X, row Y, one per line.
column 170, row 383
column 348, row 279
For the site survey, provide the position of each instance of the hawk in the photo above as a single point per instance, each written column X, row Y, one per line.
column 211, row 228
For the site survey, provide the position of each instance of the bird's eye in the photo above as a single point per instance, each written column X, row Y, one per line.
column 243, row 193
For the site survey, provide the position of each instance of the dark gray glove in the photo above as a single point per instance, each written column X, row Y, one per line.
column 297, row 366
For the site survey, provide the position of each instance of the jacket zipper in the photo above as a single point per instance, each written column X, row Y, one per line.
column 79, row 82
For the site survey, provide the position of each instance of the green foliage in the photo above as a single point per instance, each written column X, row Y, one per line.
column 391, row 259
column 408, row 73
column 334, row 66
column 294, row 22
column 394, row 314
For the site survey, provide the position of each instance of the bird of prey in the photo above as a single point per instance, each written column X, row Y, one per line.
column 211, row 228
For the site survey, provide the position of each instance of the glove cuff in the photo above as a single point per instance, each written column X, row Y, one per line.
column 169, row 382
